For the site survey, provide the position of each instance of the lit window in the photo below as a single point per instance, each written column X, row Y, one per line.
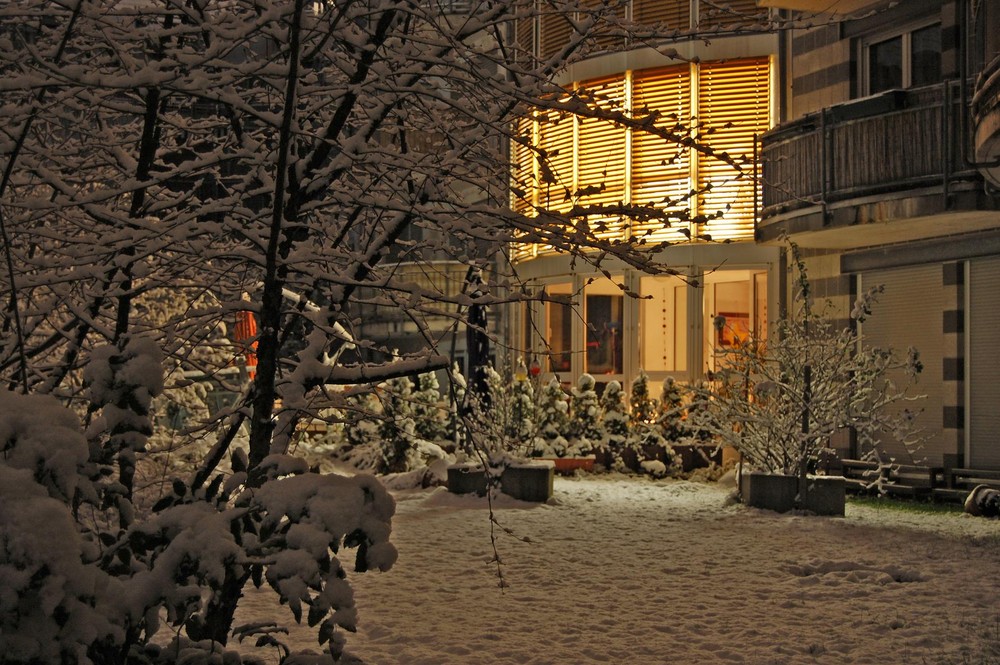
column 909, row 59
column 663, row 324
column 603, row 317
column 598, row 163
column 559, row 328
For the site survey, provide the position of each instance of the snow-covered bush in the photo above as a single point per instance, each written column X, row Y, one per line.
column 585, row 415
column 614, row 423
column 84, row 579
column 779, row 401
column 429, row 409
column 552, row 421
column 670, row 415
column 645, row 443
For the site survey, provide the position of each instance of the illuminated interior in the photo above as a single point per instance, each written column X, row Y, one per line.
column 563, row 161
column 586, row 323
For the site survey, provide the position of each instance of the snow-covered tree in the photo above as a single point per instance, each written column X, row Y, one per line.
column 398, row 431
column 778, row 404
column 614, row 417
column 642, row 405
column 552, row 421
column 282, row 156
column 524, row 409
column 585, row 414
column 429, row 409
column 670, row 416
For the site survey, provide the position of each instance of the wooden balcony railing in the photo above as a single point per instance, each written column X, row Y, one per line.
column 895, row 141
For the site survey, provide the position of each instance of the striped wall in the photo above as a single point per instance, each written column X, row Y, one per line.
column 824, row 58
column 953, row 363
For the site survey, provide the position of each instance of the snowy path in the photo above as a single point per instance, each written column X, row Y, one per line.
column 635, row 571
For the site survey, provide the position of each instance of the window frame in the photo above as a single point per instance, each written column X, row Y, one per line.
column 906, row 31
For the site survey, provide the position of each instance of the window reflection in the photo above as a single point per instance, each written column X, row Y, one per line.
column 559, row 328
column 604, row 322
column 925, row 56
column 886, row 65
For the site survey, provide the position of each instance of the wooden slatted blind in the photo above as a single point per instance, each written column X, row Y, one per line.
column 554, row 28
column 524, row 183
column 733, row 106
column 601, row 154
column 661, row 168
column 675, row 13
column 727, row 13
column 606, row 40
column 556, row 161
column 524, row 29
column 586, row 158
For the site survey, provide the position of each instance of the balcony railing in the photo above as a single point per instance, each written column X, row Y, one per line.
column 896, row 141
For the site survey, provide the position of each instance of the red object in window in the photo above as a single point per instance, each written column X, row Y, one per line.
column 246, row 337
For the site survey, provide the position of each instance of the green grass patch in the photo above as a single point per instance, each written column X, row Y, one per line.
column 904, row 505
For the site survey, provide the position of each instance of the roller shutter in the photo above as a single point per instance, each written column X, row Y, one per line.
column 984, row 364
column 909, row 313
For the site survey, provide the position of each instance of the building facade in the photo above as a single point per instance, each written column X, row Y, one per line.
column 716, row 91
column 883, row 168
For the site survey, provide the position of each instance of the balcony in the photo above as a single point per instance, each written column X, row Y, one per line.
column 986, row 120
column 887, row 158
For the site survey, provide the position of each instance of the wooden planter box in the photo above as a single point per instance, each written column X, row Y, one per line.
column 823, row 495
column 566, row 466
column 770, row 491
column 697, row 457
column 530, row 481
column 467, row 479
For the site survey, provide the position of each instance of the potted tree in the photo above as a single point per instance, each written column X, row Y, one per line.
column 779, row 401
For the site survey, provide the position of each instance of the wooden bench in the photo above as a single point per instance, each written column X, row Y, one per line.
column 968, row 479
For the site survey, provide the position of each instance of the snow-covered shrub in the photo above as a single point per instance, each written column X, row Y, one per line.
column 778, row 401
column 398, row 430
column 552, row 421
column 585, row 414
column 52, row 603
column 84, row 580
column 670, row 415
column 429, row 409
column 614, row 422
column 362, row 446
column 642, row 405
column 645, row 440
column 500, row 429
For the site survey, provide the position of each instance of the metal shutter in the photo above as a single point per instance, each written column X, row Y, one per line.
column 909, row 313
column 984, row 363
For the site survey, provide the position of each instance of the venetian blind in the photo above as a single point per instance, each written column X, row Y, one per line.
column 555, row 161
column 523, row 185
column 727, row 13
column 555, row 31
column 675, row 13
column 734, row 108
column 601, row 155
column 524, row 30
column 661, row 168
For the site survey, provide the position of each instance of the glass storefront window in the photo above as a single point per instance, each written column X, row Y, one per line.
column 604, row 320
column 663, row 325
column 559, row 328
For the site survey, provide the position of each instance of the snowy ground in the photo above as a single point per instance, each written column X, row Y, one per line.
column 638, row 572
